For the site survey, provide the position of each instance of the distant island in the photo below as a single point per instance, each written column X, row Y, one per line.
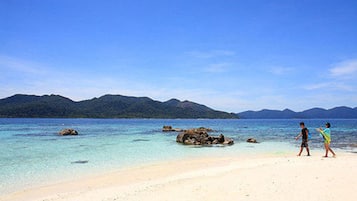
column 314, row 113
column 107, row 106
column 118, row 106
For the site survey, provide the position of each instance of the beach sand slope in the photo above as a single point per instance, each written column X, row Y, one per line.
column 254, row 177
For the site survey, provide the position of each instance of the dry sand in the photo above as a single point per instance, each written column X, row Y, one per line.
column 255, row 177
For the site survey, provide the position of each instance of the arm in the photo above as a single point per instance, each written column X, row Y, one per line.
column 297, row 137
column 322, row 132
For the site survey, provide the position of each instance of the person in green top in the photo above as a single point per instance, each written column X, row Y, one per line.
column 326, row 133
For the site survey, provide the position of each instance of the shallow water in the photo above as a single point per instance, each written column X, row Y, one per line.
column 32, row 153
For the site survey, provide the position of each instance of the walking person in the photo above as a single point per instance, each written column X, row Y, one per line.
column 304, row 134
column 326, row 133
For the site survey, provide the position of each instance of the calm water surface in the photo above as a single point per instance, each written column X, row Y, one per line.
column 32, row 153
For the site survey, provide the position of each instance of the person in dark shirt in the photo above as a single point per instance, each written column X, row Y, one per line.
column 305, row 138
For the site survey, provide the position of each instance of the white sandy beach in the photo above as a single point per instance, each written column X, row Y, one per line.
column 255, row 177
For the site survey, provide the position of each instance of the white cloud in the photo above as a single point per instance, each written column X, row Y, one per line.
column 19, row 65
column 317, row 86
column 345, row 69
column 329, row 85
column 217, row 68
column 340, row 78
column 84, row 85
column 327, row 100
column 210, row 54
column 280, row 70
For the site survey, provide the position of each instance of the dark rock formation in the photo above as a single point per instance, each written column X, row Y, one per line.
column 68, row 131
column 252, row 140
column 200, row 136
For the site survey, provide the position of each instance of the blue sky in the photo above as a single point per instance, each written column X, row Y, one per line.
column 230, row 55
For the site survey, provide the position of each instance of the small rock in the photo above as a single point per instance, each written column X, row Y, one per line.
column 80, row 162
column 252, row 140
column 167, row 128
column 68, row 131
column 170, row 129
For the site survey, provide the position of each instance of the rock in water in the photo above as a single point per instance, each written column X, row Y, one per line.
column 170, row 129
column 68, row 131
column 80, row 162
column 203, row 129
column 200, row 136
column 228, row 141
column 167, row 128
column 221, row 138
column 252, row 140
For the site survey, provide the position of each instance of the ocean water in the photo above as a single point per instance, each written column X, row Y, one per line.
column 32, row 153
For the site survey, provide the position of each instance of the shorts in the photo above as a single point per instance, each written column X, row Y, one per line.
column 304, row 144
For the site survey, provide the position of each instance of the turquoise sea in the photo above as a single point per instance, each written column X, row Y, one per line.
column 32, row 153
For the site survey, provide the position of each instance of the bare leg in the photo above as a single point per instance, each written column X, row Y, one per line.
column 300, row 151
column 329, row 148
column 308, row 151
column 326, row 148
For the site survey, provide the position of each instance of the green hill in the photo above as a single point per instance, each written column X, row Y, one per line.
column 108, row 106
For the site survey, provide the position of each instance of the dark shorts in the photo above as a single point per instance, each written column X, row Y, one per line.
column 304, row 143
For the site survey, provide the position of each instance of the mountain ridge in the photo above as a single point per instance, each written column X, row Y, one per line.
column 340, row 112
column 106, row 106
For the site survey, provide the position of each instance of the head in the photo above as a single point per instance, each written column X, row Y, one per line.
column 302, row 124
column 328, row 125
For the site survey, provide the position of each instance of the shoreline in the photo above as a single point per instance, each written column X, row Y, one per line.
column 250, row 177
